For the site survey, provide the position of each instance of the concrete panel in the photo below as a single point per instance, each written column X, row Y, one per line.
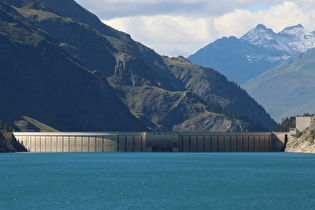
column 130, row 144
column 257, row 143
column 92, row 144
column 48, row 143
column 180, row 143
column 72, row 145
column 262, row 147
column 221, row 144
column 207, row 144
column 137, row 144
column 239, row 143
column 227, row 143
column 200, row 144
column 99, row 144
column 59, row 143
column 85, row 143
column 251, row 144
column 122, row 144
column 53, row 143
column 33, row 143
column 245, row 144
column 78, row 144
column 186, row 144
column 267, row 143
column 65, row 140
column 193, row 143
column 37, row 144
column 233, row 140
column 214, row 143
column 111, row 145
column 303, row 122
column 42, row 144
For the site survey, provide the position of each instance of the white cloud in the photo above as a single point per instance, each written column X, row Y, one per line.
column 110, row 9
column 277, row 17
column 181, row 27
column 166, row 34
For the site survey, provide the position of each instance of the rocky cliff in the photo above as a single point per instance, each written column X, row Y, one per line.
column 305, row 143
column 8, row 143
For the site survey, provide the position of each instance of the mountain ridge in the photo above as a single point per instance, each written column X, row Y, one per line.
column 151, row 92
column 288, row 87
column 35, row 82
column 256, row 51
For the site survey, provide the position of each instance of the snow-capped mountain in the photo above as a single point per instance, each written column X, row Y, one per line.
column 299, row 39
column 290, row 41
column 258, row 50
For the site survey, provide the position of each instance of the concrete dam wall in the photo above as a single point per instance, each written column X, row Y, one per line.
column 149, row 142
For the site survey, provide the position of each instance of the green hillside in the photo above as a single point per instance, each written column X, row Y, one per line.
column 77, row 74
column 288, row 89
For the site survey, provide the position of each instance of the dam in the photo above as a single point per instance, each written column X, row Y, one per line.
column 152, row 141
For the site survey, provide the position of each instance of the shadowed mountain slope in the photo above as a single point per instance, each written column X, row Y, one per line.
column 132, row 85
column 40, row 80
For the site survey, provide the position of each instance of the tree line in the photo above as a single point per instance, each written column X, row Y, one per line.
column 252, row 123
column 5, row 127
column 286, row 124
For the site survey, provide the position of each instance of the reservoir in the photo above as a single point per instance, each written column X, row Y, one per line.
column 157, row 180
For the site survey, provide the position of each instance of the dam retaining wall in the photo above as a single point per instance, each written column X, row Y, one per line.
column 149, row 142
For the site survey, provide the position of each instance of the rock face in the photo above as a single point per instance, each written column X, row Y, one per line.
column 8, row 143
column 305, row 143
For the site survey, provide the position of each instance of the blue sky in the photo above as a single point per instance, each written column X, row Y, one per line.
column 259, row 7
column 181, row 27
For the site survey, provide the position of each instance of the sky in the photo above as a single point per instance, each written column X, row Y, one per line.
column 182, row 27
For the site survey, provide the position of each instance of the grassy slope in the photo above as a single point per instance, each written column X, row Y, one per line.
column 131, row 66
column 40, row 80
column 30, row 124
column 288, row 89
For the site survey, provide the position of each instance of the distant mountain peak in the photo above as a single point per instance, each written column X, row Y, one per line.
column 256, row 51
column 260, row 26
column 294, row 28
column 260, row 36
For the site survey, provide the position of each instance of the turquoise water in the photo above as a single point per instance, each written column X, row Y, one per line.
column 157, row 181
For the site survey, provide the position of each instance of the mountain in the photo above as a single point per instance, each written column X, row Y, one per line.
column 288, row 89
column 257, row 51
column 71, row 72
column 40, row 80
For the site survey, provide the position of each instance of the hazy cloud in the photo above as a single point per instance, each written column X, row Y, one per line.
column 181, row 27
column 110, row 9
